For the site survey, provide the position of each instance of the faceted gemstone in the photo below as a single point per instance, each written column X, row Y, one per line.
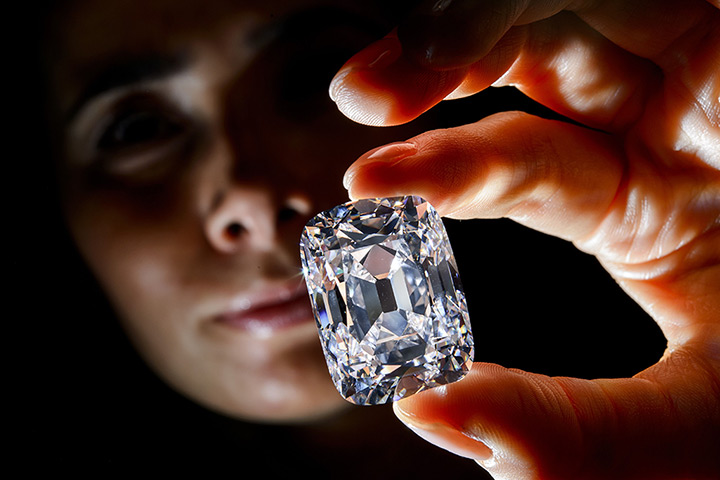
column 387, row 298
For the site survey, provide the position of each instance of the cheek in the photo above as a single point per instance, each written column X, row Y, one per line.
column 143, row 261
column 135, row 249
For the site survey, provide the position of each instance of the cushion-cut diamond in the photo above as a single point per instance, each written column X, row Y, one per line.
column 387, row 298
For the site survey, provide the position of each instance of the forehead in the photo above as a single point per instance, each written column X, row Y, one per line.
column 141, row 23
column 86, row 36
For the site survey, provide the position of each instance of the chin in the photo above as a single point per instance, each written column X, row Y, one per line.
column 304, row 415
column 269, row 397
column 277, row 410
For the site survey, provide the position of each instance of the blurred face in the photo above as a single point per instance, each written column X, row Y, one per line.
column 197, row 138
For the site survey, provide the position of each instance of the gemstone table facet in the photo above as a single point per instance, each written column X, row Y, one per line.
column 387, row 298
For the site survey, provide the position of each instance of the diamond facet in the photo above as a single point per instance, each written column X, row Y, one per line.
column 387, row 298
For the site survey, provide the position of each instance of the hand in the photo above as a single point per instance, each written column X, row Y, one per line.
column 640, row 190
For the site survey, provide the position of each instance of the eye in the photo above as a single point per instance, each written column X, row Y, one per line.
column 137, row 128
column 142, row 139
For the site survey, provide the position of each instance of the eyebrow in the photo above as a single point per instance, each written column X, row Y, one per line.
column 130, row 71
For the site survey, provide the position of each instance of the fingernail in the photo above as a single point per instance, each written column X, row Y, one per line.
column 445, row 437
column 385, row 59
column 376, row 56
column 389, row 153
column 380, row 54
column 348, row 178
column 393, row 152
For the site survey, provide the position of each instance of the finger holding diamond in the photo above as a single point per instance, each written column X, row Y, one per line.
column 522, row 426
column 536, row 171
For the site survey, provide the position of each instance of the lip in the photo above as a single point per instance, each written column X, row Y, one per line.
column 266, row 311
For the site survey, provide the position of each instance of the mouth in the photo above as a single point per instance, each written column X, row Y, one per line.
column 270, row 309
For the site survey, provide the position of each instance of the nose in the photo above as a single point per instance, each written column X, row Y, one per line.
column 253, row 219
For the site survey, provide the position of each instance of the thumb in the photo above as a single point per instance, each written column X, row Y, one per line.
column 519, row 425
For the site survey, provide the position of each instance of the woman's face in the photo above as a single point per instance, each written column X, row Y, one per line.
column 197, row 138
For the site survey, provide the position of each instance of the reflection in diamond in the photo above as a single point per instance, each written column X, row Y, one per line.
column 387, row 298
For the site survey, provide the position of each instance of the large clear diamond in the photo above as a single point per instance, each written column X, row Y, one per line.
column 387, row 298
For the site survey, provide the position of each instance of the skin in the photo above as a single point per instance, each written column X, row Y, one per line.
column 186, row 189
column 640, row 190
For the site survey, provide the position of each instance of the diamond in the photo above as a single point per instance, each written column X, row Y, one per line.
column 387, row 298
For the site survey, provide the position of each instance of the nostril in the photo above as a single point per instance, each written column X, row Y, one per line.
column 287, row 214
column 233, row 231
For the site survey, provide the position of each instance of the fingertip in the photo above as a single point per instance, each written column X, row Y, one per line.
column 492, row 413
column 358, row 103
column 359, row 180
column 452, row 418
column 380, row 86
column 355, row 90
column 443, row 436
